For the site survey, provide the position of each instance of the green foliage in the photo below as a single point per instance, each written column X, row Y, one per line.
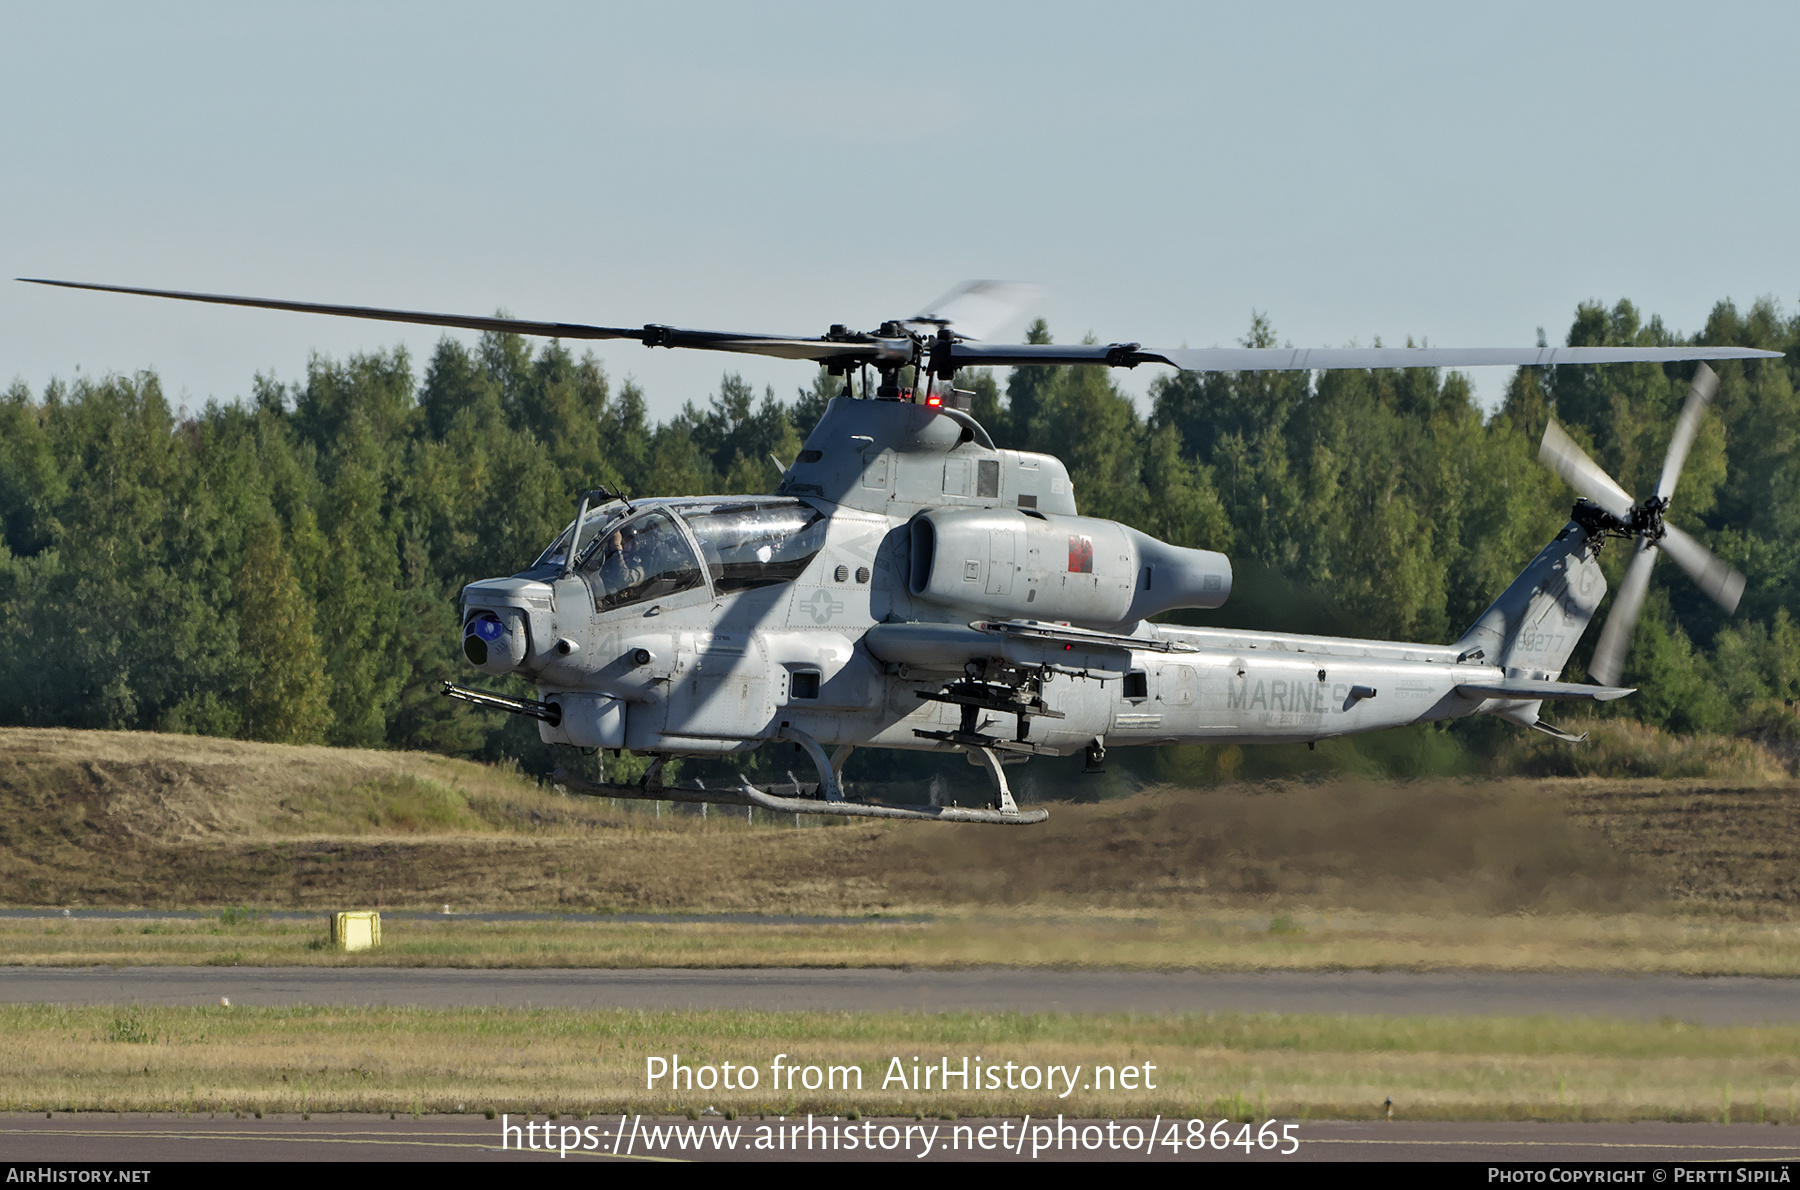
column 286, row 704
column 287, row 568
column 130, row 1029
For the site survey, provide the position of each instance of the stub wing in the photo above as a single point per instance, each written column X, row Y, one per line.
column 948, row 647
column 1039, row 632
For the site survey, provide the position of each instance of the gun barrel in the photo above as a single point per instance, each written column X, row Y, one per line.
column 549, row 712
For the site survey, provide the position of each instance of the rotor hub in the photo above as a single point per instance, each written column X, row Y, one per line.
column 1645, row 519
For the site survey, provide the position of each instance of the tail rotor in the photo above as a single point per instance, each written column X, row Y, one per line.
column 1608, row 509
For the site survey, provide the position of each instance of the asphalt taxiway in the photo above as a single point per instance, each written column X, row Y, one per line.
column 94, row 1139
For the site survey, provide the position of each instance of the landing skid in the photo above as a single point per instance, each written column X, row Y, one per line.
column 827, row 797
column 808, row 803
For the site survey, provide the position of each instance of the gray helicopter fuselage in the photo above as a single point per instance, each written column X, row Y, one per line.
column 902, row 552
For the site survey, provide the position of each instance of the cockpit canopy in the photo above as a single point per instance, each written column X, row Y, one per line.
column 596, row 522
column 755, row 544
column 629, row 555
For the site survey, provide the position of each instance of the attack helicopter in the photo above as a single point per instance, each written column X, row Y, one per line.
column 911, row 585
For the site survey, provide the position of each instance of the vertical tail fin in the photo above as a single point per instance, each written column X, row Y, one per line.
column 1531, row 629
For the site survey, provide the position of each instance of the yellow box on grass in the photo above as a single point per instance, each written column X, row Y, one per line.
column 356, row 931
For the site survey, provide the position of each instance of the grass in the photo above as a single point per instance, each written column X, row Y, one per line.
column 1621, row 748
column 137, row 819
column 1695, row 876
column 579, row 1062
column 1622, row 943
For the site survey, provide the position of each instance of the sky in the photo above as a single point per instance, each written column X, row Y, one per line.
column 1459, row 174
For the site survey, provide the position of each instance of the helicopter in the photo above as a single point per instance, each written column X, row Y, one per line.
column 911, row 585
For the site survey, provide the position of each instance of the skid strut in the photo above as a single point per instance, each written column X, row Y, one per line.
column 749, row 795
column 826, row 797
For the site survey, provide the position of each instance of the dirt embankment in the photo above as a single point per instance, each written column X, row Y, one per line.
column 113, row 818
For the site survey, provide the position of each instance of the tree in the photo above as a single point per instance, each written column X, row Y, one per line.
column 358, row 589
column 1025, row 390
column 1082, row 418
column 810, row 402
column 285, row 700
column 985, row 407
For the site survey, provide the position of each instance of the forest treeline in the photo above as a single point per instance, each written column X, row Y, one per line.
column 285, row 567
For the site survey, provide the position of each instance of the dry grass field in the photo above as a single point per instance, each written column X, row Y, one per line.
column 578, row 1062
column 1671, row 875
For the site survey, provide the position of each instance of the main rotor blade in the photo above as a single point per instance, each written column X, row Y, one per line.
column 899, row 351
column 651, row 336
column 1017, row 355
column 1615, row 638
column 1716, row 578
column 1295, row 359
column 1706, row 383
column 1563, row 455
column 1292, row 359
column 560, row 330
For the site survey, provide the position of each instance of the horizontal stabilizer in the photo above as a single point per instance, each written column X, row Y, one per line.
column 1525, row 688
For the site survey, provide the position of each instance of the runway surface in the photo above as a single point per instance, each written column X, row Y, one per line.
column 1736, row 1000
column 92, row 1139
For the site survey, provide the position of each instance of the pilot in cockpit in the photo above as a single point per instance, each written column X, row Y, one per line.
column 643, row 558
column 617, row 566
column 627, row 567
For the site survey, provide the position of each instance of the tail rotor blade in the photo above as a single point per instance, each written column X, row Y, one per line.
column 1615, row 638
column 1706, row 383
column 1725, row 585
column 1561, row 454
